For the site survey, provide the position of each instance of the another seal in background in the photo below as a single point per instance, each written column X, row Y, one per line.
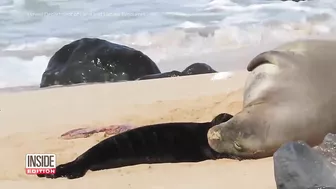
column 159, row 143
column 290, row 95
column 296, row 165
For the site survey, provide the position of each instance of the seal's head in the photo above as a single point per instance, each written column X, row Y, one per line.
column 238, row 140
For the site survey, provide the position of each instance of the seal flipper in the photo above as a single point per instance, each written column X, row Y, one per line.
column 279, row 58
column 70, row 170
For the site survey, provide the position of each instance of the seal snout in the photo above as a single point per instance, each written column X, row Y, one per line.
column 214, row 134
column 214, row 138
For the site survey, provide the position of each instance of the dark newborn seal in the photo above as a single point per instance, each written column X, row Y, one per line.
column 159, row 143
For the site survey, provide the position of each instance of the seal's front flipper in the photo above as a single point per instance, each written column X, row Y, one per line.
column 70, row 170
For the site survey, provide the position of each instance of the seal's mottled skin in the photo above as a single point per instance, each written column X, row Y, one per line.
column 289, row 95
column 159, row 143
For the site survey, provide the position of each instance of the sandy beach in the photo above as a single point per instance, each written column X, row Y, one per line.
column 32, row 122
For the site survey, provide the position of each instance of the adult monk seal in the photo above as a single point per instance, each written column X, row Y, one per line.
column 289, row 95
column 159, row 143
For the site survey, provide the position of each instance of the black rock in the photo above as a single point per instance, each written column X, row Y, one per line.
column 298, row 166
column 198, row 68
column 90, row 60
column 193, row 69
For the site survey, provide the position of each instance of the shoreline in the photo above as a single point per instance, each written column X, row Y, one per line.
column 14, row 89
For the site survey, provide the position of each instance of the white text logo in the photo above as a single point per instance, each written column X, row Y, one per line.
column 40, row 164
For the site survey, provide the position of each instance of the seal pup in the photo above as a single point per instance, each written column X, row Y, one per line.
column 289, row 95
column 159, row 143
column 296, row 165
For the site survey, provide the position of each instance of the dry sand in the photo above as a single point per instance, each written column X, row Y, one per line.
column 32, row 121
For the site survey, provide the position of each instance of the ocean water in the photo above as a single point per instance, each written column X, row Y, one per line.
column 175, row 33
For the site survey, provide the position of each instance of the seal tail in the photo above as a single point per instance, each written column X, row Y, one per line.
column 279, row 58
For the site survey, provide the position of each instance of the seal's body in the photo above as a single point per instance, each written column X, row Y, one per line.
column 159, row 143
column 289, row 95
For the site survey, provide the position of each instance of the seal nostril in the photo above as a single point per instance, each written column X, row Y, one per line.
column 214, row 135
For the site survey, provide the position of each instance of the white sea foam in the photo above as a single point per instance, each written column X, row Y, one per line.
column 188, row 24
column 221, row 76
column 37, row 45
column 18, row 72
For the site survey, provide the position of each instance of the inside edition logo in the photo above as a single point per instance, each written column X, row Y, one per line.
column 40, row 164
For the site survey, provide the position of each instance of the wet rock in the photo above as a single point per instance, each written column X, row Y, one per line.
column 298, row 166
column 328, row 148
column 90, row 60
column 198, row 68
column 193, row 69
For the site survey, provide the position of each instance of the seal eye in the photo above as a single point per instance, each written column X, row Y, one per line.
column 237, row 146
